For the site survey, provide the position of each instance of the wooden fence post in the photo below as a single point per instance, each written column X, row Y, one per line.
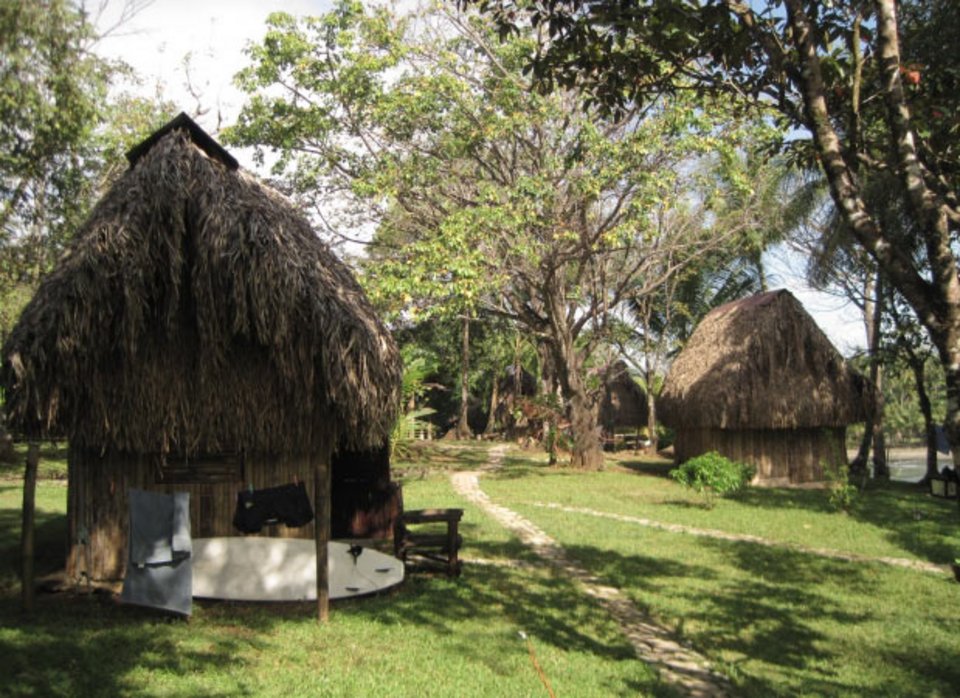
column 26, row 529
column 322, row 527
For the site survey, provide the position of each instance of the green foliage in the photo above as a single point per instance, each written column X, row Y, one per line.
column 841, row 493
column 51, row 89
column 411, row 420
column 488, row 197
column 63, row 135
column 859, row 75
column 711, row 474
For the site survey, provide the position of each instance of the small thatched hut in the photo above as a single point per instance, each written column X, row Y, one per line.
column 198, row 337
column 759, row 382
column 624, row 402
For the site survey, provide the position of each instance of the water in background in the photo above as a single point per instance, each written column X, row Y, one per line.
column 909, row 464
column 910, row 469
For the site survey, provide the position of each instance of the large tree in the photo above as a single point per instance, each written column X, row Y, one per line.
column 876, row 92
column 527, row 205
column 64, row 129
column 51, row 89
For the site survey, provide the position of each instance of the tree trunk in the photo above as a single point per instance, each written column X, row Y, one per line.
column 463, row 426
column 950, row 357
column 494, row 399
column 651, row 414
column 930, row 429
column 859, row 464
column 936, row 302
column 939, row 309
column 321, row 504
column 548, row 387
column 880, row 469
column 568, row 363
column 27, row 528
column 587, row 451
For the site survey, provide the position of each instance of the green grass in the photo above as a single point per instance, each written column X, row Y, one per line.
column 430, row 637
column 52, row 466
column 896, row 520
column 49, row 530
column 776, row 621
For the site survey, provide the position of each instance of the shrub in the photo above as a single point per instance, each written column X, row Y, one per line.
column 711, row 474
column 841, row 494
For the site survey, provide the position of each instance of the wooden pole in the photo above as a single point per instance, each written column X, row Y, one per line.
column 26, row 529
column 322, row 528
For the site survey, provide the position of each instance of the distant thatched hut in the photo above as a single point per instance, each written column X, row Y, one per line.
column 624, row 402
column 197, row 337
column 760, row 383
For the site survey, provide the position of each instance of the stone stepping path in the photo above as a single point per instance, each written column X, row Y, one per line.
column 653, row 644
column 916, row 565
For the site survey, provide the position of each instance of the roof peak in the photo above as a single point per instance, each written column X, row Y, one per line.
column 200, row 138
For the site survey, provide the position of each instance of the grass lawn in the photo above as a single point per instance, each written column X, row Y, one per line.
column 776, row 621
column 430, row 637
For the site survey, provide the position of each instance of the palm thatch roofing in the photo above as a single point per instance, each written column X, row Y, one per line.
column 761, row 363
column 624, row 402
column 196, row 311
column 509, row 383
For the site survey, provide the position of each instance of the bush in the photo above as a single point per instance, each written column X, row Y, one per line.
column 841, row 494
column 711, row 474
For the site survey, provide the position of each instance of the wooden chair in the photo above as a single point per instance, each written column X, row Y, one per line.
column 429, row 537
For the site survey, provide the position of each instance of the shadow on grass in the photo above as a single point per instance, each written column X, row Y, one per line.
column 910, row 518
column 699, row 504
column 85, row 646
column 518, row 469
column 927, row 659
column 657, row 468
column 53, row 461
column 770, row 617
column 780, row 605
column 89, row 645
column 50, row 535
column 548, row 607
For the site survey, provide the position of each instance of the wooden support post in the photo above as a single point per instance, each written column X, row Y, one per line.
column 322, row 526
column 26, row 529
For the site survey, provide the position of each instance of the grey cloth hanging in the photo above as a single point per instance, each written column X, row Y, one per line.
column 159, row 570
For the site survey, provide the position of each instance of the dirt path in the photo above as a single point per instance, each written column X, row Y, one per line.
column 653, row 644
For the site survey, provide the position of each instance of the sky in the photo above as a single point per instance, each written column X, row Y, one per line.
column 213, row 33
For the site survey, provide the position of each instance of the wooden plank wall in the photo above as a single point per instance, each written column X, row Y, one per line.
column 780, row 455
column 97, row 505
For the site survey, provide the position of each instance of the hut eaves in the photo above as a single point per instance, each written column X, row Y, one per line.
column 196, row 310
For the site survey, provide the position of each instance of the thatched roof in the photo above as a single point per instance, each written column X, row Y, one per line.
column 624, row 402
column 197, row 310
column 761, row 363
column 509, row 383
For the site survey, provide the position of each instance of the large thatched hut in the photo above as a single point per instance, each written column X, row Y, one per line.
column 761, row 383
column 197, row 337
column 624, row 402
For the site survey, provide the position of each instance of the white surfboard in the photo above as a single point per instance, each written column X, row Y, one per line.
column 285, row 569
